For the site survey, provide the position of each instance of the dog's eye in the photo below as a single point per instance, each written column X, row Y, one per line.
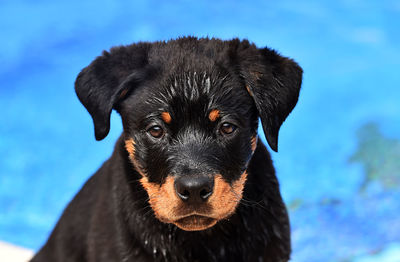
column 227, row 128
column 156, row 131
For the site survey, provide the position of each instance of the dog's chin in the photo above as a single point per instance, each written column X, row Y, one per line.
column 195, row 222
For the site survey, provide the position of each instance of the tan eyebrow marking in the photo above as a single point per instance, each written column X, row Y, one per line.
column 166, row 117
column 214, row 114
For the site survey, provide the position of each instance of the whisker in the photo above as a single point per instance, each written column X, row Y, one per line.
column 248, row 202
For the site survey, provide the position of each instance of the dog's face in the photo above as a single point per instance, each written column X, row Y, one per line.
column 190, row 110
column 191, row 138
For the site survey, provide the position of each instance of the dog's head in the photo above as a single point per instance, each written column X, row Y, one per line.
column 190, row 110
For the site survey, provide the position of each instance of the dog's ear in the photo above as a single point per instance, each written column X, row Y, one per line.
column 274, row 83
column 105, row 81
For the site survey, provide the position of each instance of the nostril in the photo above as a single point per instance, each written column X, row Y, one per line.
column 184, row 195
column 205, row 193
column 182, row 189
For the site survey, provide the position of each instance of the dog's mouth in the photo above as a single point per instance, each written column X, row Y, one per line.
column 195, row 222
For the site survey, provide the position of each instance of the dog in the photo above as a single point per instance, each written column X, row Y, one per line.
column 188, row 180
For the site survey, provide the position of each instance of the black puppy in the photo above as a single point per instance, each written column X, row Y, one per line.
column 188, row 180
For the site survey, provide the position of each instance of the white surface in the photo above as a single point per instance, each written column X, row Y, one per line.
column 11, row 253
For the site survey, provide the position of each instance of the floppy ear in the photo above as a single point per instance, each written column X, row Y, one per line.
column 274, row 83
column 100, row 85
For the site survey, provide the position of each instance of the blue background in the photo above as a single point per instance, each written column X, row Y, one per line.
column 338, row 162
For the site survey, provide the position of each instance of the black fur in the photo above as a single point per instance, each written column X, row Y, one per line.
column 110, row 218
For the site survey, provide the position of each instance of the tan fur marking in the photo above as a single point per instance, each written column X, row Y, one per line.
column 195, row 223
column 130, row 147
column 238, row 185
column 225, row 198
column 254, row 142
column 248, row 90
column 168, row 208
column 166, row 117
column 165, row 204
column 162, row 198
column 214, row 114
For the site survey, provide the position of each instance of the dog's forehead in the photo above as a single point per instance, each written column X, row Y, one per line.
column 199, row 92
column 189, row 88
column 188, row 96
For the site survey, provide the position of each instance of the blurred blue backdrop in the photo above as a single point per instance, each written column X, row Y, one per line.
column 339, row 159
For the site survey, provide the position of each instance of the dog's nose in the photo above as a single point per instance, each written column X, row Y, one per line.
column 194, row 189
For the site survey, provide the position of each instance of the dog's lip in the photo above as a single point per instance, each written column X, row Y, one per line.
column 195, row 222
column 194, row 215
